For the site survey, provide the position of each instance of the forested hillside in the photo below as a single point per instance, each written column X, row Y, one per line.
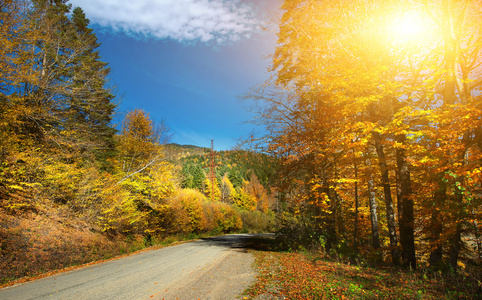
column 237, row 173
column 74, row 188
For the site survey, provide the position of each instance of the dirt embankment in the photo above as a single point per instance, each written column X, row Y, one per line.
column 33, row 243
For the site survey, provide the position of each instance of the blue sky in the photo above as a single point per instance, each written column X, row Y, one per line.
column 187, row 61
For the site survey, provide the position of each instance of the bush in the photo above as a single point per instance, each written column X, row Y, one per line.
column 192, row 212
column 230, row 220
column 188, row 215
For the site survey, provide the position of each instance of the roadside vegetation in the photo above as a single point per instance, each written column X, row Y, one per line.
column 314, row 274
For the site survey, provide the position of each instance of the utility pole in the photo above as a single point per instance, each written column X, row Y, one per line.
column 212, row 166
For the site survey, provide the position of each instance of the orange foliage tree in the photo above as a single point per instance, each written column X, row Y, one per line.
column 352, row 92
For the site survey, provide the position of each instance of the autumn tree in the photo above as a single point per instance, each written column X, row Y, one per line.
column 60, row 79
column 324, row 104
column 228, row 193
column 135, row 199
column 458, row 27
column 211, row 189
column 53, row 91
column 244, row 200
column 138, row 146
column 258, row 192
column 10, row 109
column 352, row 76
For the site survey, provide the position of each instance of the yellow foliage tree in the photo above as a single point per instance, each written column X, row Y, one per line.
column 188, row 211
column 228, row 192
column 143, row 178
column 212, row 192
column 244, row 199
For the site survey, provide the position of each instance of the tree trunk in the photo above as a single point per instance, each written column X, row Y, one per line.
column 332, row 239
column 355, row 232
column 436, row 225
column 460, row 211
column 477, row 239
column 406, row 222
column 455, row 246
column 372, row 203
column 399, row 196
column 392, row 232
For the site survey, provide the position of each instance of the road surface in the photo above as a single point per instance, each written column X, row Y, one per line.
column 213, row 268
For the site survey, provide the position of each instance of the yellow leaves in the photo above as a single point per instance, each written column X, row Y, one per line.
column 192, row 212
column 211, row 189
column 120, row 211
column 346, row 180
column 477, row 171
column 138, row 125
column 15, row 187
column 244, row 200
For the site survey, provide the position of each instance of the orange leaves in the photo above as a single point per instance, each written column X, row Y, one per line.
column 258, row 193
column 298, row 276
column 343, row 84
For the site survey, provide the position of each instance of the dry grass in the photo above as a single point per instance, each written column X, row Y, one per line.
column 33, row 243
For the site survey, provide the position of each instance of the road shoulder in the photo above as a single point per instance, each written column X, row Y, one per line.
column 226, row 278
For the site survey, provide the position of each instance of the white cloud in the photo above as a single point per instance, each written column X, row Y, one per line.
column 182, row 20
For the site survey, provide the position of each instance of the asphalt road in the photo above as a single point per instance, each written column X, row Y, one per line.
column 214, row 268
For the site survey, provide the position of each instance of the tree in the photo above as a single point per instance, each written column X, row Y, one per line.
column 338, row 81
column 90, row 102
column 212, row 191
column 372, row 204
column 138, row 144
column 459, row 25
column 228, row 193
column 257, row 192
column 244, row 200
column 47, row 53
column 134, row 202
column 55, row 75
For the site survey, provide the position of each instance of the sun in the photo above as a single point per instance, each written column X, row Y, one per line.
column 410, row 26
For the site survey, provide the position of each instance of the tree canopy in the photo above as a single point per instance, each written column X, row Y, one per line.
column 379, row 100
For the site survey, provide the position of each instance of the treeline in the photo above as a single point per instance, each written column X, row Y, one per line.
column 379, row 133
column 61, row 152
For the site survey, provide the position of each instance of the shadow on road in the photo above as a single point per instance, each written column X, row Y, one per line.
column 261, row 242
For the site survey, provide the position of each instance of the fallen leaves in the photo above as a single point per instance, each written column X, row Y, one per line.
column 295, row 276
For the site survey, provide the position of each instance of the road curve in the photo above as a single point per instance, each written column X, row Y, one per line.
column 212, row 268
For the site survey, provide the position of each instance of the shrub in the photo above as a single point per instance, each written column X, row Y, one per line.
column 188, row 214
